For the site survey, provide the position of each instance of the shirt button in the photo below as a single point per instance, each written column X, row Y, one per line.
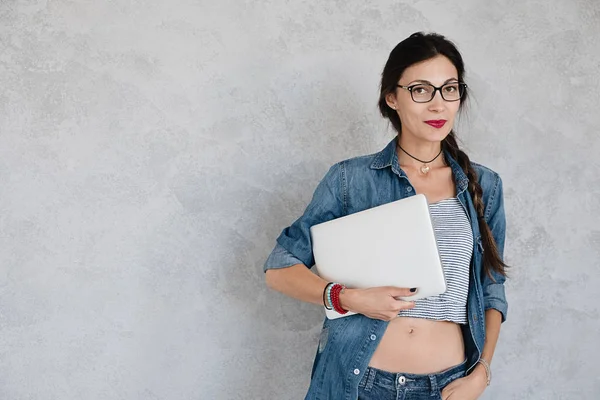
column 373, row 337
column 475, row 317
column 356, row 371
column 409, row 189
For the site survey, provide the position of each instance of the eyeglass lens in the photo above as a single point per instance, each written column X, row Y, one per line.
column 424, row 92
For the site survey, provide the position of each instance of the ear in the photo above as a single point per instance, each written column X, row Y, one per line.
column 391, row 101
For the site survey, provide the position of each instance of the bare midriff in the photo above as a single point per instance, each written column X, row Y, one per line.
column 419, row 346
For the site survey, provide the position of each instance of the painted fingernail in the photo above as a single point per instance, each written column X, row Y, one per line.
column 412, row 290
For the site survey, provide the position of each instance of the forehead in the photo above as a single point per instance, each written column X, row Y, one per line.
column 435, row 70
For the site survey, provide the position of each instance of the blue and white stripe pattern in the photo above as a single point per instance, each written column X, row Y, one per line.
column 455, row 243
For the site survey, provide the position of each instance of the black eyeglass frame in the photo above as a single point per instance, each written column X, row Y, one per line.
column 435, row 89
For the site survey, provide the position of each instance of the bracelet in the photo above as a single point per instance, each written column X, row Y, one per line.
column 328, row 294
column 336, row 290
column 326, row 299
column 488, row 371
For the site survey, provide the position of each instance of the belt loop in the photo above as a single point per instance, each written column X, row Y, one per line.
column 368, row 379
column 371, row 379
column 434, row 385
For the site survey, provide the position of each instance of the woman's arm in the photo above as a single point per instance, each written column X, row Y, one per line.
column 298, row 282
column 493, row 321
column 286, row 267
column 495, row 304
column 380, row 302
column 474, row 384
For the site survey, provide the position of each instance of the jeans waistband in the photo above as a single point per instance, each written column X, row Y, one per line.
column 397, row 380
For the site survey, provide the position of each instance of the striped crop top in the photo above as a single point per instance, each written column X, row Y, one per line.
column 455, row 243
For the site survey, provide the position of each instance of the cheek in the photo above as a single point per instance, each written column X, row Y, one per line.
column 412, row 113
column 454, row 109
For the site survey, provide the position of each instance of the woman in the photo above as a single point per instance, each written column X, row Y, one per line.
column 392, row 349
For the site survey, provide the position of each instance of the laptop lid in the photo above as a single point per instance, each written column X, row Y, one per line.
column 389, row 245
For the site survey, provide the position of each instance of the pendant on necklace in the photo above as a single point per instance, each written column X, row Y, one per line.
column 425, row 169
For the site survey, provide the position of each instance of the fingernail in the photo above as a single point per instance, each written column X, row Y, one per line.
column 412, row 290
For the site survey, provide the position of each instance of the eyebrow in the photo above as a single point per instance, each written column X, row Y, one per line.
column 426, row 81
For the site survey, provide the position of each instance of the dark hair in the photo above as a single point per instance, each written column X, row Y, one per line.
column 414, row 49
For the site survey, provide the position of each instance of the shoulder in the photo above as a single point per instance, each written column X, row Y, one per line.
column 360, row 162
column 338, row 173
column 370, row 163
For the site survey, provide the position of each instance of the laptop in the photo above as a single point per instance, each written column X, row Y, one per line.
column 389, row 245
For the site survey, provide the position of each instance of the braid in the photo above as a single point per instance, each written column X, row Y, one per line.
column 491, row 258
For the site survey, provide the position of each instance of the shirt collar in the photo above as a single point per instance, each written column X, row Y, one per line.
column 389, row 158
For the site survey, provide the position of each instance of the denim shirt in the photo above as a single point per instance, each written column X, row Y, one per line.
column 347, row 344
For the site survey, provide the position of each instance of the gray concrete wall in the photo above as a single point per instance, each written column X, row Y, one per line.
column 151, row 152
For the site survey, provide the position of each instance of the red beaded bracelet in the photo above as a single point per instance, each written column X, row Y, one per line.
column 335, row 298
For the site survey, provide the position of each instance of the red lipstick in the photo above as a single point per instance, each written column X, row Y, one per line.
column 436, row 123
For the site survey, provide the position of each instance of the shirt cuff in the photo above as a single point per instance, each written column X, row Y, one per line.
column 279, row 258
column 496, row 304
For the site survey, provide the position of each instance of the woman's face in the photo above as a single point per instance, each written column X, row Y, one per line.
column 436, row 71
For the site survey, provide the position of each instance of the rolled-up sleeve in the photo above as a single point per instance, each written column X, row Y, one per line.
column 494, row 295
column 294, row 244
column 280, row 257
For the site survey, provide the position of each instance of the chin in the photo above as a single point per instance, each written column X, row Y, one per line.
column 435, row 136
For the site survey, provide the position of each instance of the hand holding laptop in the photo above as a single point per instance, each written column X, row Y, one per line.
column 382, row 302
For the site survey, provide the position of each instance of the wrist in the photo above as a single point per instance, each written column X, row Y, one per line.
column 334, row 290
column 327, row 296
column 481, row 373
column 346, row 299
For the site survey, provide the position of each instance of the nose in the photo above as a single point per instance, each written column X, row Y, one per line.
column 437, row 103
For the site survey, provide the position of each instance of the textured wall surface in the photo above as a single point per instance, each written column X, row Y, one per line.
column 152, row 151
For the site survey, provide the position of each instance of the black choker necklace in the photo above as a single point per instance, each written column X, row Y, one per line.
column 424, row 168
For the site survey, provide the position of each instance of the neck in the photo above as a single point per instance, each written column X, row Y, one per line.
column 423, row 150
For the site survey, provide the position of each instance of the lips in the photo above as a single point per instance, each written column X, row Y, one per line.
column 436, row 123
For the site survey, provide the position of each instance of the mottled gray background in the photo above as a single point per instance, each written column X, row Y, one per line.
column 152, row 151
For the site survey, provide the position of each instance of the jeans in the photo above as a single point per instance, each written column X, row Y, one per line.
column 377, row 384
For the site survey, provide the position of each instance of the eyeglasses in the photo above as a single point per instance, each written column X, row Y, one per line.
column 424, row 92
